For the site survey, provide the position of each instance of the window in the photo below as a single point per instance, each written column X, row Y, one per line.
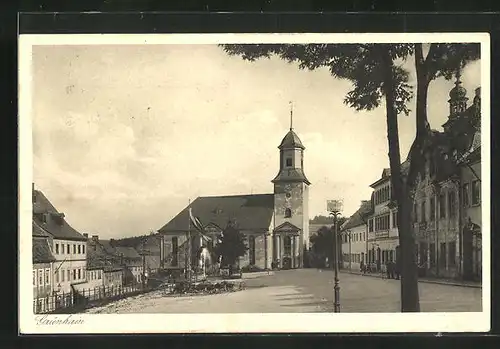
column 433, row 209
column 40, row 277
column 79, row 249
column 442, row 255
column 34, row 277
column 289, row 162
column 476, row 192
column 382, row 223
column 68, row 251
column 47, row 276
column 99, row 274
column 175, row 251
column 451, row 204
column 74, row 274
column 422, row 212
column 442, row 206
column 74, row 249
column 370, row 225
column 68, row 272
column 63, row 274
column 452, row 250
column 83, row 249
column 79, row 274
column 57, row 248
column 57, row 276
column 465, row 195
column 394, row 219
column 251, row 249
column 288, row 213
column 432, row 255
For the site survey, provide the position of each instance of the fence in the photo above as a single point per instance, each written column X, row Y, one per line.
column 80, row 299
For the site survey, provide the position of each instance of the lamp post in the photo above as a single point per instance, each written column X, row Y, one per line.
column 334, row 208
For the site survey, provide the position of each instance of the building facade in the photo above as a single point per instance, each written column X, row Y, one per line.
column 354, row 234
column 67, row 245
column 276, row 226
column 446, row 212
column 383, row 238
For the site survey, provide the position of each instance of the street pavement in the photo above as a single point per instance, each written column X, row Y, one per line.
column 304, row 290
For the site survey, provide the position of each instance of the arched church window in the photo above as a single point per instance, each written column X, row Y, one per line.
column 251, row 249
column 288, row 213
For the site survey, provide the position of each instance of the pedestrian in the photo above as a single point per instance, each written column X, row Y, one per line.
column 388, row 269
column 362, row 268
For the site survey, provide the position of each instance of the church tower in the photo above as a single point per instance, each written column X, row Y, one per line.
column 291, row 201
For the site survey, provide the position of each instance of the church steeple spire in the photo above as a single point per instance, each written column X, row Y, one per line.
column 458, row 97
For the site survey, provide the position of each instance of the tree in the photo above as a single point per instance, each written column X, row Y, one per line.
column 323, row 242
column 322, row 220
column 232, row 246
column 372, row 70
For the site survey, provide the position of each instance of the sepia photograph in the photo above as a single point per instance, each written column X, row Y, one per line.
column 211, row 180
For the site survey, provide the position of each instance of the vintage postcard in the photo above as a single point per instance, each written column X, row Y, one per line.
column 222, row 183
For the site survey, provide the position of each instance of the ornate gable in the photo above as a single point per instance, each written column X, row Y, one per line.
column 287, row 227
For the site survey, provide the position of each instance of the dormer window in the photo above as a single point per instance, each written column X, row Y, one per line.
column 288, row 162
column 288, row 213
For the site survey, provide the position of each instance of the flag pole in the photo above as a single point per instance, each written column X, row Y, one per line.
column 189, row 243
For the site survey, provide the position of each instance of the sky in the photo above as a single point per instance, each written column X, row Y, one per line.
column 124, row 136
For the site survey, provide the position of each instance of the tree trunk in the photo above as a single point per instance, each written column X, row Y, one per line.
column 409, row 281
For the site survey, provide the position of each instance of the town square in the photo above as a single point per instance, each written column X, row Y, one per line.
column 247, row 178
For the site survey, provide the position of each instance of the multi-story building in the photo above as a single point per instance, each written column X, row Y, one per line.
column 43, row 263
column 447, row 197
column 383, row 238
column 446, row 210
column 104, row 266
column 132, row 264
column 67, row 245
column 355, row 237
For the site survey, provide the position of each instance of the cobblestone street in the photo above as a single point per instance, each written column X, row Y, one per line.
column 304, row 290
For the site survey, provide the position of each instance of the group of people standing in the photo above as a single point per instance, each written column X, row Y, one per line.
column 392, row 269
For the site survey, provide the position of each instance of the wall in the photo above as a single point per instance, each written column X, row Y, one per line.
column 260, row 251
column 68, row 264
column 357, row 247
column 94, row 278
column 384, row 239
column 299, row 194
column 181, row 258
column 43, row 280
column 113, row 278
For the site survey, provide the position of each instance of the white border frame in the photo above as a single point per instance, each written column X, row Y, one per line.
column 222, row 323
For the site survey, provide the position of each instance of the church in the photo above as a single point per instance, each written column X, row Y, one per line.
column 276, row 225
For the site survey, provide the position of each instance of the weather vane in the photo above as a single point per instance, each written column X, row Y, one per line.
column 291, row 115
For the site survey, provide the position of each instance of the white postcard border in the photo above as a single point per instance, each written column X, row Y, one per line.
column 237, row 323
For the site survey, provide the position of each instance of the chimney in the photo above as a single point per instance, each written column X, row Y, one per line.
column 95, row 238
column 85, row 235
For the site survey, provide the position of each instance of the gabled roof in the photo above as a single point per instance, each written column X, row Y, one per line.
column 286, row 227
column 249, row 212
column 291, row 141
column 37, row 230
column 41, row 251
column 359, row 217
column 55, row 223
column 127, row 252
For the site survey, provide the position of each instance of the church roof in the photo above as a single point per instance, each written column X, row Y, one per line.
column 291, row 175
column 249, row 212
column 291, row 141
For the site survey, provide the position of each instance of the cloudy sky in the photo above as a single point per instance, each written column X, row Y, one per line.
column 124, row 136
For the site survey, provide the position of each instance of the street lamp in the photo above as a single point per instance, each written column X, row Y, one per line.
column 335, row 208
